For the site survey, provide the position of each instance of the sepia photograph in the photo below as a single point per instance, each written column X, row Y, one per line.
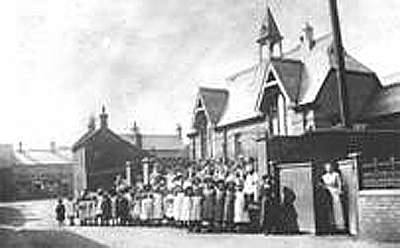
column 200, row 123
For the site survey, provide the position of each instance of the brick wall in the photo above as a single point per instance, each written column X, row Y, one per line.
column 379, row 214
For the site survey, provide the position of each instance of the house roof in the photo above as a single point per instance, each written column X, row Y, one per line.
column 318, row 62
column 163, row 142
column 289, row 72
column 214, row 101
column 243, row 88
column 35, row 157
column 90, row 135
column 385, row 102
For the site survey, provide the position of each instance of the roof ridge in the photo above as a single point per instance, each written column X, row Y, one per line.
column 298, row 46
column 211, row 88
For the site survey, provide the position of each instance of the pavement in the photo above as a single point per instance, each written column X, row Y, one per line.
column 31, row 224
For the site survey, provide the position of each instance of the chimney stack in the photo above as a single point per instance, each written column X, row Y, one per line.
column 307, row 37
column 20, row 147
column 179, row 131
column 103, row 118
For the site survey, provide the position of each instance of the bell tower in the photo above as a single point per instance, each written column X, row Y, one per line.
column 269, row 36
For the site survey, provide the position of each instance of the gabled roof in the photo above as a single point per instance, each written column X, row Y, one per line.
column 289, row 73
column 214, row 101
column 318, row 62
column 91, row 135
column 165, row 142
column 386, row 102
column 243, row 89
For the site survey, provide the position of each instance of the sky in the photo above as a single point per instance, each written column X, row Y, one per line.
column 144, row 59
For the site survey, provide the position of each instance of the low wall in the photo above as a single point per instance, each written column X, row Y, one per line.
column 379, row 214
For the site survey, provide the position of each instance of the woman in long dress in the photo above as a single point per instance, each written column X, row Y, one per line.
column 186, row 206
column 229, row 206
column 158, row 212
column 178, row 200
column 219, row 205
column 333, row 183
column 241, row 215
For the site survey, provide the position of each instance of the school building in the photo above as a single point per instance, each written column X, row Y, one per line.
column 286, row 111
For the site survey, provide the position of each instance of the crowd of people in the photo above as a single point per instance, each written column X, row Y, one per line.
column 207, row 196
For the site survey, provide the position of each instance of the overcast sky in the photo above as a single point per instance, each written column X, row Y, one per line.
column 143, row 59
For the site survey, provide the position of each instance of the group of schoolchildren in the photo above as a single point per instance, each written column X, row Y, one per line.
column 206, row 197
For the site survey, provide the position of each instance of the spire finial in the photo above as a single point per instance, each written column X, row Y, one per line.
column 269, row 33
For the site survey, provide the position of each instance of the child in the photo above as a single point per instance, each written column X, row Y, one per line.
column 195, row 210
column 146, row 211
column 60, row 212
column 158, row 213
column 186, row 206
column 178, row 200
column 70, row 210
column 169, row 206
column 219, row 205
column 229, row 206
column 241, row 218
column 208, row 203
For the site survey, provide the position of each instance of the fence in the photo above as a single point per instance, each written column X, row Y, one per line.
column 380, row 174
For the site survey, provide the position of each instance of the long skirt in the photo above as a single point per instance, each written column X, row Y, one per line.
column 240, row 211
column 186, row 206
column 229, row 207
column 146, row 211
column 178, row 200
column 219, row 206
column 208, row 205
column 195, row 210
column 136, row 208
column 158, row 213
column 169, row 206
column 337, row 217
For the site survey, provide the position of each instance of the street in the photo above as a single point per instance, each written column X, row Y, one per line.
column 31, row 224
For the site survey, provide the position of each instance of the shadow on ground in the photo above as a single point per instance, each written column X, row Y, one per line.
column 44, row 239
column 11, row 217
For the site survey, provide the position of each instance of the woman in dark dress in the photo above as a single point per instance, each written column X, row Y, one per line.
column 229, row 206
column 268, row 211
column 207, row 212
column 219, row 205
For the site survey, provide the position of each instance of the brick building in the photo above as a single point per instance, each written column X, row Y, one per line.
column 285, row 111
column 43, row 173
column 103, row 154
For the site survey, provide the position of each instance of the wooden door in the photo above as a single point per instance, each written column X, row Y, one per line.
column 348, row 168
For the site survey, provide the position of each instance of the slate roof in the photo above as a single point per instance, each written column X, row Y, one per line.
column 289, row 72
column 317, row 64
column 386, row 102
column 163, row 142
column 243, row 89
column 269, row 29
column 88, row 136
column 43, row 157
column 214, row 101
